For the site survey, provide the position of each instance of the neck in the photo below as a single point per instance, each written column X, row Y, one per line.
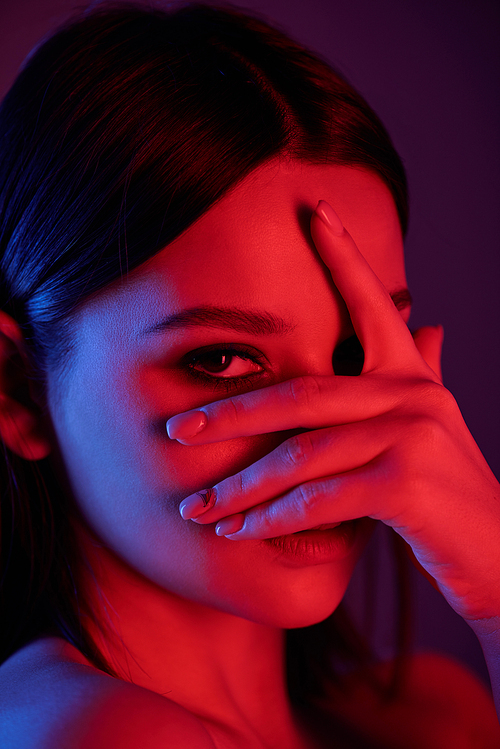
column 215, row 664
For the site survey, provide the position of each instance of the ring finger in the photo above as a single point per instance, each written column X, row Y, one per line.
column 304, row 457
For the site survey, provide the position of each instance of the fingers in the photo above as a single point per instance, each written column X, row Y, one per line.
column 379, row 327
column 312, row 402
column 429, row 342
column 308, row 402
column 302, row 458
column 327, row 501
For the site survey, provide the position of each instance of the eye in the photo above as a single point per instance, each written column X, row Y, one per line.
column 227, row 363
column 225, row 366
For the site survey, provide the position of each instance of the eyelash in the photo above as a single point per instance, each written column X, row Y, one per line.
column 348, row 360
column 224, row 383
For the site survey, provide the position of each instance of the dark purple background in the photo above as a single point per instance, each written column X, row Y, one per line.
column 431, row 70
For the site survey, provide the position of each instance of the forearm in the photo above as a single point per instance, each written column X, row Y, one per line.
column 488, row 634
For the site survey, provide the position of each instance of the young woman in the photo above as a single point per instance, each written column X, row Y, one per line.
column 209, row 396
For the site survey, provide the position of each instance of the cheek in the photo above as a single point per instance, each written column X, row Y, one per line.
column 132, row 447
column 129, row 498
column 128, row 477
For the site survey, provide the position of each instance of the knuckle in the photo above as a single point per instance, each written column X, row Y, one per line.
column 231, row 488
column 267, row 522
column 265, row 519
column 298, row 450
column 424, row 430
column 445, row 402
column 309, row 495
column 433, row 433
column 425, row 434
column 305, row 391
column 227, row 494
column 434, row 409
column 235, row 410
column 436, row 396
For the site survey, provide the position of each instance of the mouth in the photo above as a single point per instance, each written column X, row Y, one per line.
column 327, row 542
column 323, row 527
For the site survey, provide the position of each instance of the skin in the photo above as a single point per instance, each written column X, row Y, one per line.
column 392, row 438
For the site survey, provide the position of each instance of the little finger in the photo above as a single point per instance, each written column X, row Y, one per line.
column 313, row 505
column 304, row 457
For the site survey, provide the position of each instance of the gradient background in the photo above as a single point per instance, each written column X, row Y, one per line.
column 431, row 70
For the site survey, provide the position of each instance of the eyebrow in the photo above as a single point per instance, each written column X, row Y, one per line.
column 243, row 320
column 248, row 321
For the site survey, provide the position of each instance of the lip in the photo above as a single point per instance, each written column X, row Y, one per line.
column 320, row 545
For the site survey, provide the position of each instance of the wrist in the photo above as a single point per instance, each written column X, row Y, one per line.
column 487, row 631
column 486, row 628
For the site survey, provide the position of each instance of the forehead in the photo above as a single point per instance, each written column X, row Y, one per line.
column 253, row 248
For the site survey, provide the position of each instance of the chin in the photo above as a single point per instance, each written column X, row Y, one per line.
column 297, row 606
column 314, row 610
column 297, row 616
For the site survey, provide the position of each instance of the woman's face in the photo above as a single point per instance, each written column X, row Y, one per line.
column 135, row 366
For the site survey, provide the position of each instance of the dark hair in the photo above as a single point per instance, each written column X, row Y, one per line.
column 120, row 131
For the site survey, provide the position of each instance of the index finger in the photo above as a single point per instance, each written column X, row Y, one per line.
column 380, row 328
column 306, row 402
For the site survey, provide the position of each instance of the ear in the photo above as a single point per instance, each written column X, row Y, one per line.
column 21, row 419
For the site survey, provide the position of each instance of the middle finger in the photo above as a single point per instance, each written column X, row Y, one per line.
column 302, row 458
column 383, row 334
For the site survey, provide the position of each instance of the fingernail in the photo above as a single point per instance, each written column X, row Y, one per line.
column 195, row 505
column 185, row 426
column 326, row 213
column 230, row 525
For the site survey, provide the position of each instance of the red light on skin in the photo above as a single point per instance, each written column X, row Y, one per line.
column 226, row 601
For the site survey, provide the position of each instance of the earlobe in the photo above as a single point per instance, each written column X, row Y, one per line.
column 21, row 420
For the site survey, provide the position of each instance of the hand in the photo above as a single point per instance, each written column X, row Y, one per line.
column 390, row 444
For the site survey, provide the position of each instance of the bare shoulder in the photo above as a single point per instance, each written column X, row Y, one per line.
column 459, row 695
column 440, row 704
column 440, row 674
column 50, row 696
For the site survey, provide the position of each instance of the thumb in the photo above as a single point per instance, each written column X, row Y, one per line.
column 429, row 342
